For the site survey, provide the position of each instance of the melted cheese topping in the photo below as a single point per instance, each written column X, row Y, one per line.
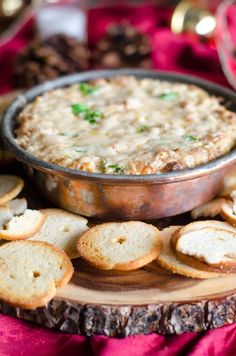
column 125, row 125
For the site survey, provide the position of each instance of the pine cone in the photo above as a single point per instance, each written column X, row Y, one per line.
column 122, row 46
column 47, row 59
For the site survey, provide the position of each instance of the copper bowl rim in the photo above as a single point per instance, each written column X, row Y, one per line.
column 9, row 122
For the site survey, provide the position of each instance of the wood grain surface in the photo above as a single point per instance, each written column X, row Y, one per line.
column 139, row 302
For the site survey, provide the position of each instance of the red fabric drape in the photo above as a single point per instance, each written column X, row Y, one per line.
column 169, row 52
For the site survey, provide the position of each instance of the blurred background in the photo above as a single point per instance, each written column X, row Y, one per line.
column 44, row 39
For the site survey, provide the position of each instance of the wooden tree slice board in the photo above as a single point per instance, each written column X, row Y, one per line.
column 140, row 302
column 148, row 300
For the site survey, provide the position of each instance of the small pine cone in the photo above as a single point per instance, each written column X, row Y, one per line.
column 122, row 46
column 47, row 59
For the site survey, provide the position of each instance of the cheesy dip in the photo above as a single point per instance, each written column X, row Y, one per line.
column 125, row 125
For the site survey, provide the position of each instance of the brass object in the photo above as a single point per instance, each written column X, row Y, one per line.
column 10, row 7
column 189, row 16
column 121, row 196
column 9, row 10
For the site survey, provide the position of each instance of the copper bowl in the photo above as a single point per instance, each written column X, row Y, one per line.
column 109, row 196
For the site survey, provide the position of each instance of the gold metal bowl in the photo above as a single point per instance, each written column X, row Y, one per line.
column 120, row 196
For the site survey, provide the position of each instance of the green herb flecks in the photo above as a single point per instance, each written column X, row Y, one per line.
column 92, row 116
column 168, row 96
column 115, row 167
column 79, row 108
column 142, row 128
column 190, row 138
column 87, row 89
column 87, row 114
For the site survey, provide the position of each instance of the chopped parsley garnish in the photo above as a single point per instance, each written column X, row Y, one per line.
column 75, row 135
column 79, row 108
column 89, row 115
column 87, row 89
column 92, row 116
column 116, row 168
column 168, row 96
column 190, row 138
column 142, row 128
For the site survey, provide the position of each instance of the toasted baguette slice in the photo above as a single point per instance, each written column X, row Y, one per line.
column 121, row 246
column 17, row 206
column 168, row 260
column 229, row 184
column 209, row 249
column 5, row 215
column 62, row 229
column 10, row 187
column 228, row 212
column 197, row 225
column 23, row 226
column 12, row 208
column 210, row 209
column 30, row 271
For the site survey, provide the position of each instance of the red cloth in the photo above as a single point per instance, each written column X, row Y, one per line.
column 178, row 53
column 231, row 21
column 23, row 338
column 226, row 40
column 169, row 52
column 10, row 47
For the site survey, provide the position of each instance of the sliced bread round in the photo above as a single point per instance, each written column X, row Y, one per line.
column 197, row 225
column 30, row 272
column 120, row 246
column 62, row 229
column 10, row 187
column 17, row 206
column 211, row 209
column 5, row 215
column 168, row 259
column 208, row 249
column 227, row 212
column 229, row 183
column 23, row 226
column 12, row 208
